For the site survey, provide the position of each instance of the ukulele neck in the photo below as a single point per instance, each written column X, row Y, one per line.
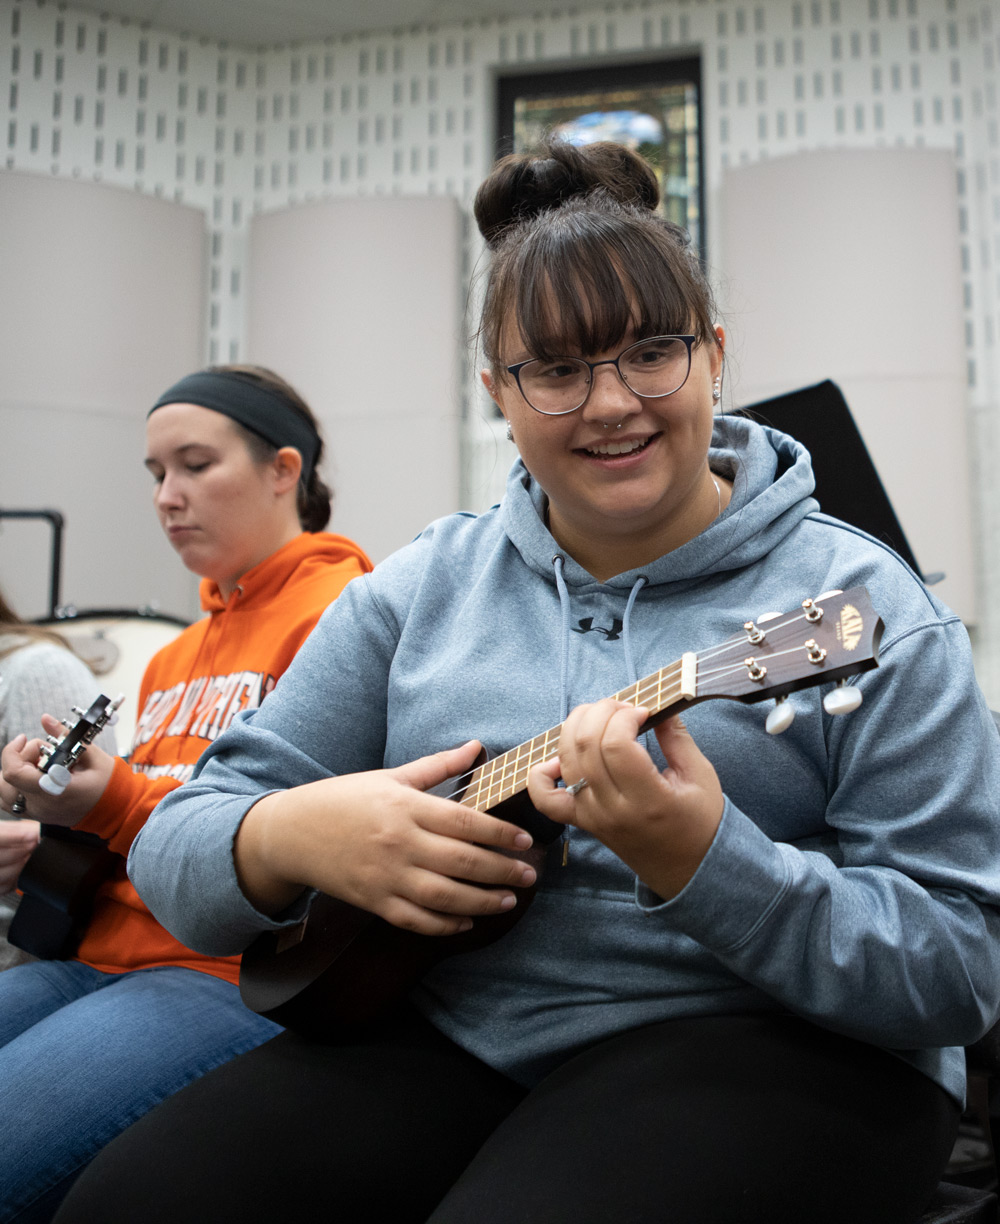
column 504, row 776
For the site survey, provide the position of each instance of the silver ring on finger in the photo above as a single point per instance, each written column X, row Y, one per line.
column 20, row 804
column 576, row 787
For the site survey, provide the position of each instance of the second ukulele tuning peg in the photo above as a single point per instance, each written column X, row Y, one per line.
column 55, row 781
column 781, row 717
column 112, row 718
column 844, row 699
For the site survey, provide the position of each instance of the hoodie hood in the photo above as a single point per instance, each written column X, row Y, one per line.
column 772, row 492
column 308, row 554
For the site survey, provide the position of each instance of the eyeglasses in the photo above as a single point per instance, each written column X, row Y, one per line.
column 651, row 368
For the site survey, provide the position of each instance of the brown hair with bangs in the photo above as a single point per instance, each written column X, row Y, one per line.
column 579, row 257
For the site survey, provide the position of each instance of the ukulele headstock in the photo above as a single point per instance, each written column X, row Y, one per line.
column 61, row 753
column 828, row 638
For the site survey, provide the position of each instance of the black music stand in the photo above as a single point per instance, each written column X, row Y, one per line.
column 847, row 485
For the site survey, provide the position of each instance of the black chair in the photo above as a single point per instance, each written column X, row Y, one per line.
column 818, row 416
column 955, row 1204
column 848, row 485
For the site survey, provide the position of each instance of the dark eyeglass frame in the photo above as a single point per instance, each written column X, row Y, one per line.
column 688, row 341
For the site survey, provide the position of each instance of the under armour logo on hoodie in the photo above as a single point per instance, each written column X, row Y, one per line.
column 610, row 635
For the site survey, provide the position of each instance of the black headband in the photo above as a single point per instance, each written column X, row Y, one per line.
column 262, row 411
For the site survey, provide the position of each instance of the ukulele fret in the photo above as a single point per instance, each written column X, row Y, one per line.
column 506, row 775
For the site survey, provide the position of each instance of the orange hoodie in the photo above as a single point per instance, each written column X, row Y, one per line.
column 190, row 693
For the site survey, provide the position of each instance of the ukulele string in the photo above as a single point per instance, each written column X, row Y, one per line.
column 494, row 778
column 505, row 775
column 718, row 673
column 737, row 642
column 500, row 764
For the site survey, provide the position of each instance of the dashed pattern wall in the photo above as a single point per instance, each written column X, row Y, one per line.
column 234, row 130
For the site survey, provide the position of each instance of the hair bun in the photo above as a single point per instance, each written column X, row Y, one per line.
column 523, row 185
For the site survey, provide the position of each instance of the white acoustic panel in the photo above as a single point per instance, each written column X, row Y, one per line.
column 102, row 293
column 358, row 304
column 845, row 264
column 100, row 310
column 88, row 466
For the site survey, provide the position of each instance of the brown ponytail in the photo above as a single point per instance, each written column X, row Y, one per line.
column 314, row 499
column 523, row 185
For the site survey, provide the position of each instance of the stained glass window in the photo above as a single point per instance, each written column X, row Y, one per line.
column 652, row 108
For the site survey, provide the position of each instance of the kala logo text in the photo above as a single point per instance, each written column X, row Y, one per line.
column 849, row 626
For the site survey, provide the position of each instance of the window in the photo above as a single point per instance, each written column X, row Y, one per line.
column 654, row 108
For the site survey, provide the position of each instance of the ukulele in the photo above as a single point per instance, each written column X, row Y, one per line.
column 342, row 965
column 60, row 879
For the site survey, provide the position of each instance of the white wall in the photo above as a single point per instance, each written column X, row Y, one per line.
column 100, row 310
column 236, row 131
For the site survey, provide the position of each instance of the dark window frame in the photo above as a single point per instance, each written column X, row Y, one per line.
column 632, row 74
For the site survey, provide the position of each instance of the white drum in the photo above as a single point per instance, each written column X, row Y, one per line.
column 117, row 644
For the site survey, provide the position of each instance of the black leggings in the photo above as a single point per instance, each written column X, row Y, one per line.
column 727, row 1120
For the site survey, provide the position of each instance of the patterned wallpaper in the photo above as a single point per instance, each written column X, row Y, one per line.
column 234, row 130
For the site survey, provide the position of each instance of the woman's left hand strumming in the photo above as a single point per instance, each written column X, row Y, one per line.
column 19, row 767
column 660, row 823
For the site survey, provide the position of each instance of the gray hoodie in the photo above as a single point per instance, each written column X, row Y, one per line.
column 856, row 871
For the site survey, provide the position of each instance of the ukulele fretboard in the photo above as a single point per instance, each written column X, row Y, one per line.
column 504, row 776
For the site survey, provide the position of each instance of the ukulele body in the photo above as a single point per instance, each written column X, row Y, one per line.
column 60, row 879
column 58, row 884
column 342, row 966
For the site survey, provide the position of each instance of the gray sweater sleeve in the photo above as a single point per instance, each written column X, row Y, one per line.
column 35, row 679
column 44, row 678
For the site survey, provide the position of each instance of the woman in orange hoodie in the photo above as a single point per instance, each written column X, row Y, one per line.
column 90, row 1043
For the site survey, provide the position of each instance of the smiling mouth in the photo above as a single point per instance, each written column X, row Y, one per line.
column 618, row 448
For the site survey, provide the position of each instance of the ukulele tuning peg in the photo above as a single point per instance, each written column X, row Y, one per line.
column 844, row 699
column 52, row 740
column 781, row 717
column 55, row 781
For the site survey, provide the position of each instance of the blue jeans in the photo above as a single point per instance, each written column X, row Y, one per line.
column 83, row 1054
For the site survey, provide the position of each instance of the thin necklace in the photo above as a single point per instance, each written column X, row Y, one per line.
column 718, row 493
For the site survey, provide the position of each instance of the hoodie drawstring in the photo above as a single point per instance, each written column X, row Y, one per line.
column 640, row 582
column 558, row 562
column 564, row 608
